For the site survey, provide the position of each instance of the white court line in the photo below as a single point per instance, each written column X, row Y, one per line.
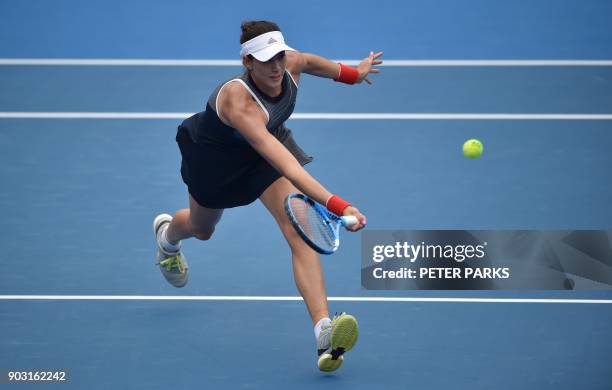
column 175, row 62
column 286, row 298
column 310, row 116
column 95, row 115
column 450, row 116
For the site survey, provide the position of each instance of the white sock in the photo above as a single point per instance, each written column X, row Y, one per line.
column 163, row 240
column 322, row 322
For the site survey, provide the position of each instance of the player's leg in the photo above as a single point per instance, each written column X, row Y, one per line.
column 336, row 336
column 196, row 221
column 307, row 270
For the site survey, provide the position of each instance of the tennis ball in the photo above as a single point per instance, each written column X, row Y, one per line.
column 472, row 148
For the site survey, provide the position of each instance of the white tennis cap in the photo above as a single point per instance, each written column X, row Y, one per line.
column 264, row 46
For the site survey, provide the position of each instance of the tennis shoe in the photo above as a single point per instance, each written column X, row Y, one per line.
column 172, row 265
column 334, row 340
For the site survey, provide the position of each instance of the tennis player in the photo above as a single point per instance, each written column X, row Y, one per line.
column 239, row 149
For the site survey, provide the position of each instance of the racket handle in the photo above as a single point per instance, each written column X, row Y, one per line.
column 349, row 220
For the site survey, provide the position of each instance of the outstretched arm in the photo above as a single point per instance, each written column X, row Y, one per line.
column 243, row 114
column 322, row 67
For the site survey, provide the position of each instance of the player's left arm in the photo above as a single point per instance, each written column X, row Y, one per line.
column 315, row 65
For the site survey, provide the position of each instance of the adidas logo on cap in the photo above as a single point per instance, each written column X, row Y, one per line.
column 272, row 40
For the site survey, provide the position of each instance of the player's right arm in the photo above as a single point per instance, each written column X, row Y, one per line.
column 238, row 110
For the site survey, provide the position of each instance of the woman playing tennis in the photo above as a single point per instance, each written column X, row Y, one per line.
column 239, row 149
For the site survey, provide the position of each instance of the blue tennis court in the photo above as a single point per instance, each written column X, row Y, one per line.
column 88, row 158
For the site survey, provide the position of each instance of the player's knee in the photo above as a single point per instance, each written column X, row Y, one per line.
column 296, row 243
column 204, row 234
column 288, row 230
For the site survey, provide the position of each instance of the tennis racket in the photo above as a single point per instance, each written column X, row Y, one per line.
column 319, row 228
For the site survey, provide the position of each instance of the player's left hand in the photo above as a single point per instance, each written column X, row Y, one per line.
column 366, row 66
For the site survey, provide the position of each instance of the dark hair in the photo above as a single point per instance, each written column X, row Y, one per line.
column 252, row 28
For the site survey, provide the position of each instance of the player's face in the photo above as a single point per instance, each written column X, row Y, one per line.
column 270, row 72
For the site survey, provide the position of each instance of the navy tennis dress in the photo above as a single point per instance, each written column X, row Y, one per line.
column 219, row 166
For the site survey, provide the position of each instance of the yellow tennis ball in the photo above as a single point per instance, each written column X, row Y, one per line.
column 472, row 148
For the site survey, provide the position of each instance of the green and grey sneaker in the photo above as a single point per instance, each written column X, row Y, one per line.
column 335, row 339
column 173, row 265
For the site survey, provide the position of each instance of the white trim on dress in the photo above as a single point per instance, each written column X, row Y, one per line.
column 248, row 89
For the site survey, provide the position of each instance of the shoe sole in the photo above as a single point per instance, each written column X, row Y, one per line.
column 343, row 339
column 327, row 363
column 345, row 335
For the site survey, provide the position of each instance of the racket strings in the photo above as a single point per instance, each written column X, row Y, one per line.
column 314, row 225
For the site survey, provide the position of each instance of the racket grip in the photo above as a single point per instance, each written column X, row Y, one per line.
column 349, row 220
